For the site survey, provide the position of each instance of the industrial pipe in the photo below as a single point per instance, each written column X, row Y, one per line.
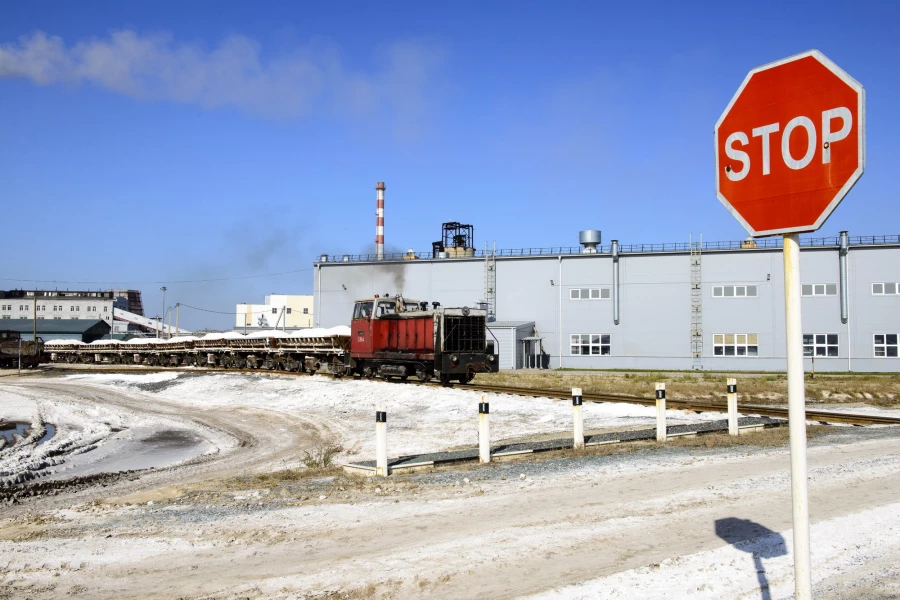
column 615, row 291
column 845, row 305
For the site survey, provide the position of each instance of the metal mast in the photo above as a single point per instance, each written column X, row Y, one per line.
column 696, row 303
column 490, row 281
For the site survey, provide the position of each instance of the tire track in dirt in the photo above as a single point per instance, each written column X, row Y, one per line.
column 263, row 439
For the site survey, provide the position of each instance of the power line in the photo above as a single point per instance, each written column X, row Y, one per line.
column 233, row 312
column 155, row 282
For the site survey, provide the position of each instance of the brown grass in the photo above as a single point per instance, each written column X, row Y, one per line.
column 774, row 437
column 277, row 478
column 869, row 388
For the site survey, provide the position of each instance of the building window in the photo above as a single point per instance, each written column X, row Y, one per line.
column 820, row 344
column 305, row 311
column 734, row 291
column 888, row 288
column 736, row 344
column 589, row 294
column 274, row 311
column 590, row 344
column 288, row 311
column 7, row 316
column 818, row 289
column 57, row 318
column 885, row 345
column 105, row 309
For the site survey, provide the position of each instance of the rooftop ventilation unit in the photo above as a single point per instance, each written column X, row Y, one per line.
column 589, row 239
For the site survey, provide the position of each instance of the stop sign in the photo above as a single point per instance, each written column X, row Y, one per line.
column 790, row 144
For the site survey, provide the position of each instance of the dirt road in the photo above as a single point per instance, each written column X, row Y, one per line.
column 569, row 522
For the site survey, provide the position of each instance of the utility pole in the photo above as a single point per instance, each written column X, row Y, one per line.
column 163, row 317
column 34, row 317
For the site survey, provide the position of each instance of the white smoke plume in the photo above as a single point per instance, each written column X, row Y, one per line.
column 236, row 73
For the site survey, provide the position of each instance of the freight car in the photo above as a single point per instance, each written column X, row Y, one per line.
column 306, row 350
column 13, row 349
column 388, row 337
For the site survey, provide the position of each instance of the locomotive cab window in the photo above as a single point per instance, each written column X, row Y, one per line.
column 363, row 310
column 385, row 307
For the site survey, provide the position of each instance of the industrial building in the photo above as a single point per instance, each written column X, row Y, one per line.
column 714, row 306
column 280, row 311
column 122, row 310
column 83, row 330
column 692, row 305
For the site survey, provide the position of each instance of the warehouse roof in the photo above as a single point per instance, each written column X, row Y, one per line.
column 51, row 326
column 605, row 250
column 506, row 324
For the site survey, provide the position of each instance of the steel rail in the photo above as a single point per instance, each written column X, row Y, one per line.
column 820, row 416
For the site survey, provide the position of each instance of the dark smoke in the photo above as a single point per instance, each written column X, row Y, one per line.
column 397, row 271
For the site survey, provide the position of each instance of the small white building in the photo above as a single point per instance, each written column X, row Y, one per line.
column 280, row 311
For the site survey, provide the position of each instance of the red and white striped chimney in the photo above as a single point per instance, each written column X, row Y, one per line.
column 379, row 221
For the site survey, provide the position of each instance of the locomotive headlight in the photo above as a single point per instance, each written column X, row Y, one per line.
column 491, row 358
column 454, row 358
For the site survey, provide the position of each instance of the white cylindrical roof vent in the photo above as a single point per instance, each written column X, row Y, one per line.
column 589, row 239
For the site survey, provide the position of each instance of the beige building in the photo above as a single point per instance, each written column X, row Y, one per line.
column 280, row 311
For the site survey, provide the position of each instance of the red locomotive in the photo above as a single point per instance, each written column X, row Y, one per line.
column 397, row 337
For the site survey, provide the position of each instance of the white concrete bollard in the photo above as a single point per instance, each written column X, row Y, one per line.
column 732, row 406
column 577, row 420
column 381, row 466
column 660, row 412
column 484, row 432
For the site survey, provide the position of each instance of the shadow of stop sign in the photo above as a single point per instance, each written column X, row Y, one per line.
column 790, row 144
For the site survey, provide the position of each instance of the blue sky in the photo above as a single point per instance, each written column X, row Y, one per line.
column 163, row 141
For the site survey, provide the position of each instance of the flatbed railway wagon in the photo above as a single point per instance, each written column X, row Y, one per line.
column 305, row 350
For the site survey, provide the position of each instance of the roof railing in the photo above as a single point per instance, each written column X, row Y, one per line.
column 749, row 244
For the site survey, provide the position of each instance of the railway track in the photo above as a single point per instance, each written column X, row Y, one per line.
column 821, row 416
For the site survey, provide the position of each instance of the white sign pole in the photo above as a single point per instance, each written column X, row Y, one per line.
column 797, row 416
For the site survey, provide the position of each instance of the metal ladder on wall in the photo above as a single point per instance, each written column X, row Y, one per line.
column 696, row 303
column 490, row 281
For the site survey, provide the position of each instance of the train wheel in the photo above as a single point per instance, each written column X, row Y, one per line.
column 466, row 378
column 445, row 379
column 422, row 375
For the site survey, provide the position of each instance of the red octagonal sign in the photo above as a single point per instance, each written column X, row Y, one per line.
column 790, row 145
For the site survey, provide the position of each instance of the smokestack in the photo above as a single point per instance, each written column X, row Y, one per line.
column 379, row 221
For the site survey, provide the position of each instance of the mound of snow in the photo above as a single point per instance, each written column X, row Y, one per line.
column 340, row 330
column 272, row 333
column 63, row 342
